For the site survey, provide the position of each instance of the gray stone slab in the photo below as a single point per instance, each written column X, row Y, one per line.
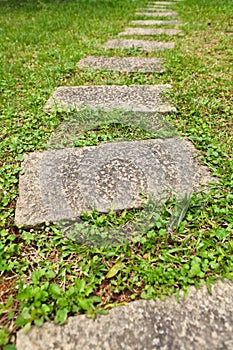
column 144, row 45
column 202, row 321
column 61, row 184
column 140, row 98
column 162, row 3
column 156, row 14
column 122, row 64
column 154, row 22
column 151, row 31
column 153, row 9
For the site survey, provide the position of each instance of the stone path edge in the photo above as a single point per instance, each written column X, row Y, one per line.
column 201, row 321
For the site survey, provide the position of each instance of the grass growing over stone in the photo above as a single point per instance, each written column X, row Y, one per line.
column 45, row 276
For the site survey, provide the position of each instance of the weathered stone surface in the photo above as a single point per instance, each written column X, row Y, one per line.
column 62, row 183
column 153, row 22
column 150, row 31
column 141, row 98
column 144, row 45
column 202, row 321
column 156, row 14
column 122, row 64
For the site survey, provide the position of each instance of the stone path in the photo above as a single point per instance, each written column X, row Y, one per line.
column 161, row 3
column 153, row 9
column 139, row 98
column 61, row 182
column 122, row 64
column 144, row 45
column 156, row 14
column 153, row 22
column 202, row 321
column 150, row 31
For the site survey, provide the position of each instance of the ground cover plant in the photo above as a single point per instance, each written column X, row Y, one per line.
column 44, row 275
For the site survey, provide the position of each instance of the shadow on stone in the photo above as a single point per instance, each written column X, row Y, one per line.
column 61, row 184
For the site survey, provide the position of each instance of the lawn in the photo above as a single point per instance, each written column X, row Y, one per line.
column 46, row 276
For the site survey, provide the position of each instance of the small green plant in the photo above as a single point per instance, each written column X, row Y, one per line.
column 105, row 133
column 43, row 299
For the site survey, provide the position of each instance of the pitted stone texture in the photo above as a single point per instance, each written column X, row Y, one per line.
column 122, row 64
column 202, row 321
column 144, row 45
column 65, row 182
column 138, row 98
column 156, row 14
column 154, row 22
column 150, row 31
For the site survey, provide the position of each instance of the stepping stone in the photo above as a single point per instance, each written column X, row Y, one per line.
column 138, row 98
column 150, row 31
column 153, row 22
column 143, row 45
column 153, row 9
column 122, row 64
column 201, row 321
column 162, row 3
column 61, row 184
column 156, row 14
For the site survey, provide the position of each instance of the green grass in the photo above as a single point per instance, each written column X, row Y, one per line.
column 44, row 276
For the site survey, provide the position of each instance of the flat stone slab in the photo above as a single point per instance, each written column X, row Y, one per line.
column 162, row 3
column 150, row 31
column 62, row 183
column 153, row 9
column 156, row 14
column 154, row 22
column 122, row 64
column 139, row 98
column 202, row 321
column 144, row 45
